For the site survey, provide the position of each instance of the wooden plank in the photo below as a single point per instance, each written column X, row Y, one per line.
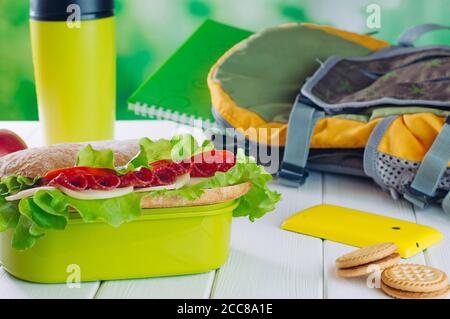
column 32, row 133
column 364, row 195
column 180, row 287
column 36, row 139
column 12, row 288
column 439, row 254
column 268, row 262
column 350, row 288
column 22, row 128
column 153, row 129
column 337, row 287
column 124, row 130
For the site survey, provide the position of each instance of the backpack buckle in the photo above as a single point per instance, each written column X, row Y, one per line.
column 419, row 198
column 292, row 175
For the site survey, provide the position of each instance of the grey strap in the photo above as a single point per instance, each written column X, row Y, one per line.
column 302, row 121
column 371, row 150
column 408, row 37
column 446, row 203
column 425, row 184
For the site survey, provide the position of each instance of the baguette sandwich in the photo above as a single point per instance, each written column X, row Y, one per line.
column 116, row 181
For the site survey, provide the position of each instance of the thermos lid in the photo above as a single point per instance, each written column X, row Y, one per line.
column 61, row 10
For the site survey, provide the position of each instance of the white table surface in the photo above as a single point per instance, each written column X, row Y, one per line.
column 265, row 261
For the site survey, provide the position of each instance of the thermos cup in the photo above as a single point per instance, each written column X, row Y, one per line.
column 74, row 57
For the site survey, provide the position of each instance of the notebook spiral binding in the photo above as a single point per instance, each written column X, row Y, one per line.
column 158, row 113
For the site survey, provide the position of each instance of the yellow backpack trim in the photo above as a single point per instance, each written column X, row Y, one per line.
column 241, row 118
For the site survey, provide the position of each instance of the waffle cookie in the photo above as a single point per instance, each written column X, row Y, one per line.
column 410, row 281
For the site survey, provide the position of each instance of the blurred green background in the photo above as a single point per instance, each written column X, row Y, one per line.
column 148, row 31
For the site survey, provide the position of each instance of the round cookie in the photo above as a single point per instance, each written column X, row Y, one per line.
column 364, row 270
column 400, row 294
column 415, row 278
column 366, row 255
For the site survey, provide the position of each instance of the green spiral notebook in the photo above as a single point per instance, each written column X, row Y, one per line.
column 178, row 90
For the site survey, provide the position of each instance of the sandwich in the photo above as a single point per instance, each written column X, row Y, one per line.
column 116, row 181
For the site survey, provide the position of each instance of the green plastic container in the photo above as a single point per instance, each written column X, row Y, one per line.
column 163, row 242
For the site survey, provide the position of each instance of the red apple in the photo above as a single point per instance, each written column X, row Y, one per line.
column 10, row 142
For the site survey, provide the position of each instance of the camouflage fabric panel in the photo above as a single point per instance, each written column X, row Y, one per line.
column 421, row 75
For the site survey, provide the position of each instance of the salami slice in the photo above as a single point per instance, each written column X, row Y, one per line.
column 140, row 178
column 160, row 173
column 145, row 177
column 204, row 169
column 167, row 171
column 76, row 183
column 129, row 179
column 79, row 170
column 208, row 163
column 178, row 168
column 164, row 176
column 103, row 183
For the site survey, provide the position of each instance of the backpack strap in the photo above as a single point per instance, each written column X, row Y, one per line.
column 371, row 150
column 423, row 189
column 303, row 119
column 446, row 203
column 408, row 37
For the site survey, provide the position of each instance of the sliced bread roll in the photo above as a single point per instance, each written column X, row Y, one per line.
column 36, row 162
column 209, row 197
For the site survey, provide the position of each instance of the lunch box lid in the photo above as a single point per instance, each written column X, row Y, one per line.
column 62, row 10
column 174, row 212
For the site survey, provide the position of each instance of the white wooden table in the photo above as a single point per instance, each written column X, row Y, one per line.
column 265, row 261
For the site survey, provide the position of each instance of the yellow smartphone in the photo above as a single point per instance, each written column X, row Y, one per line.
column 361, row 229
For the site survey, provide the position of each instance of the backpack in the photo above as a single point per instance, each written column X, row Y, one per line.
column 365, row 107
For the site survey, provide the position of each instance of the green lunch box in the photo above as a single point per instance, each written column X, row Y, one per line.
column 162, row 242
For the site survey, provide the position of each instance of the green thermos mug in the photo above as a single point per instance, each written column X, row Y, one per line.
column 74, row 58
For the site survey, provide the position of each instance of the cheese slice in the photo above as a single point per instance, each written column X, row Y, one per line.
column 28, row 193
column 92, row 194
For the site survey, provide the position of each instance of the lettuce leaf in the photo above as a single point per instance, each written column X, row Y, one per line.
column 95, row 158
column 9, row 211
column 150, row 151
column 46, row 217
column 9, row 214
column 178, row 148
column 255, row 204
column 260, row 199
column 25, row 234
column 13, row 184
column 49, row 210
